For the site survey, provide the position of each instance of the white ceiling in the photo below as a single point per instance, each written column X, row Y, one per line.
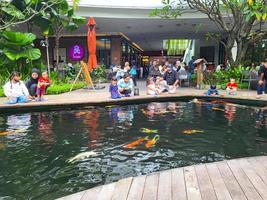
column 150, row 33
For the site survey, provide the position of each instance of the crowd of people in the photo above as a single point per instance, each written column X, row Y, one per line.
column 17, row 92
column 161, row 78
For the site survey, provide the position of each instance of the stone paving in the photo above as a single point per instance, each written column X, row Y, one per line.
column 84, row 96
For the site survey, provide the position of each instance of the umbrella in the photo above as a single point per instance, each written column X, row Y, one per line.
column 91, row 42
column 200, row 60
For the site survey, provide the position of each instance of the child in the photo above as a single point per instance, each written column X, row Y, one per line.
column 161, row 84
column 113, row 89
column 151, row 87
column 212, row 91
column 43, row 83
column 231, row 87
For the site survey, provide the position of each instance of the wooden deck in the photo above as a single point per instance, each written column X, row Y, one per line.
column 236, row 179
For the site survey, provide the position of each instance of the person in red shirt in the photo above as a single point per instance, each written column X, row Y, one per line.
column 43, row 83
column 231, row 87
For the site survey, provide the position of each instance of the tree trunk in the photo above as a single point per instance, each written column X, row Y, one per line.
column 57, row 49
column 242, row 48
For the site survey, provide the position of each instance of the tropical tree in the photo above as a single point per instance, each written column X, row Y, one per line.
column 56, row 19
column 16, row 12
column 17, row 48
column 239, row 21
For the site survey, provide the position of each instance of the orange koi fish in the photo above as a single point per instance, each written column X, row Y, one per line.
column 135, row 143
column 151, row 143
column 5, row 132
column 219, row 109
column 190, row 131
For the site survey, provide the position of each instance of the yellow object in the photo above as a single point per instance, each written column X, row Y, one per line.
column 264, row 16
column 250, row 2
column 151, row 143
column 86, row 74
column 190, row 131
column 146, row 130
column 219, row 109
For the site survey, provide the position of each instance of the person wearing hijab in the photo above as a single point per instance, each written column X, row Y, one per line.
column 32, row 83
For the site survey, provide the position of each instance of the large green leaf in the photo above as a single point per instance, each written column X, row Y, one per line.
column 13, row 11
column 32, row 53
column 29, row 53
column 18, row 38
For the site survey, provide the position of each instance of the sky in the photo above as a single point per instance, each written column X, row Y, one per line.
column 123, row 3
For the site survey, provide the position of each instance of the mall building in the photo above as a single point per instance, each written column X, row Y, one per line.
column 126, row 32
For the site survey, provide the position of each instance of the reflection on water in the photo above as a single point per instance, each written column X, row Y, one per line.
column 113, row 142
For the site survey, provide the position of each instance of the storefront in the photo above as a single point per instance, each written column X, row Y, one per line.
column 111, row 49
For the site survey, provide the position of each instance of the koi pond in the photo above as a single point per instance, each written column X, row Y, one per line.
column 46, row 155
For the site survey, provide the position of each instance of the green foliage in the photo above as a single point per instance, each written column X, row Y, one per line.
column 2, row 92
column 99, row 74
column 223, row 77
column 17, row 12
column 64, row 87
column 17, row 49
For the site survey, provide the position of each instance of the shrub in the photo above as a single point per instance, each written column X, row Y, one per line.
column 64, row 87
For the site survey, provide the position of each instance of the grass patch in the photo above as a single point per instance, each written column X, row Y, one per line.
column 1, row 92
column 64, row 87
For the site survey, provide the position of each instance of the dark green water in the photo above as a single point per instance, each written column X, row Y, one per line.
column 33, row 161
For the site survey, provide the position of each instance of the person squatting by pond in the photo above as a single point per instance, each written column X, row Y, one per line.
column 15, row 90
column 32, row 83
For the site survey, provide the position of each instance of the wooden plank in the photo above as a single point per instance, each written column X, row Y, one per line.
column 230, row 182
column 164, row 188
column 106, row 192
column 259, row 168
column 92, row 193
column 217, row 182
column 205, row 185
column 122, row 189
column 137, row 188
column 192, row 188
column 178, row 184
column 254, row 178
column 244, row 182
column 76, row 196
column 151, row 187
column 262, row 160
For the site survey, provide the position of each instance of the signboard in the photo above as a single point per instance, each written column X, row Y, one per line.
column 76, row 52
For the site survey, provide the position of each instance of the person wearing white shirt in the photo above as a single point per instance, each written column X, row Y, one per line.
column 15, row 90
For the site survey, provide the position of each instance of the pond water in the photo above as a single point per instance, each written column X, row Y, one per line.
column 35, row 148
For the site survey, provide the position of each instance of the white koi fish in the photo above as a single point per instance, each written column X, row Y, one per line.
column 81, row 156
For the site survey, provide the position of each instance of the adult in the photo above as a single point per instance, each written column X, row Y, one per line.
column 191, row 65
column 126, row 85
column 126, row 67
column 172, row 79
column 32, row 83
column 15, row 90
column 133, row 72
column 177, row 65
column 154, row 70
column 263, row 77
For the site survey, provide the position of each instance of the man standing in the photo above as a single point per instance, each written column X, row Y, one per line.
column 262, row 78
column 172, row 79
column 191, row 65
